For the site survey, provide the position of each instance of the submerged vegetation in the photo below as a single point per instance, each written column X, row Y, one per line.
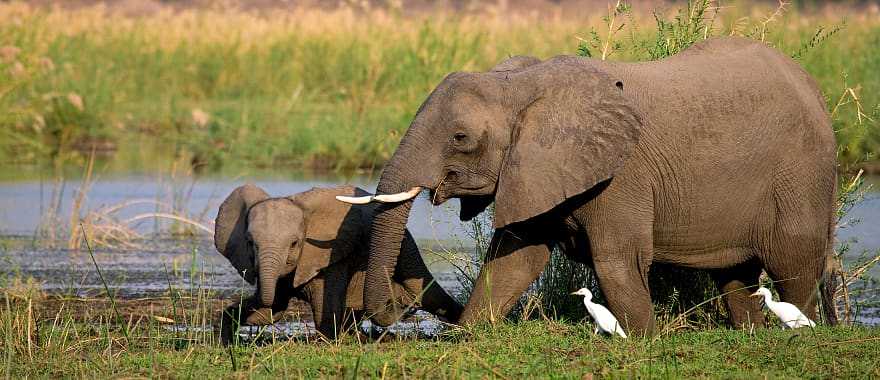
column 334, row 89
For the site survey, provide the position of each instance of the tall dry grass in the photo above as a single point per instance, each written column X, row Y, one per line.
column 120, row 225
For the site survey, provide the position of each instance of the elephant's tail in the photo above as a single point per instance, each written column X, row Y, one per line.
column 828, row 286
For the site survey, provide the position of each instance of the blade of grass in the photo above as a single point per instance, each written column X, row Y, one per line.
column 116, row 314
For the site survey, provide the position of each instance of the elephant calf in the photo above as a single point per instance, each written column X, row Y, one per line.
column 311, row 247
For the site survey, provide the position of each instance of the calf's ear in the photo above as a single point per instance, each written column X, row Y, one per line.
column 230, row 229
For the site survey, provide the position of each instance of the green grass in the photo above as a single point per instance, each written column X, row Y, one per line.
column 532, row 349
column 313, row 89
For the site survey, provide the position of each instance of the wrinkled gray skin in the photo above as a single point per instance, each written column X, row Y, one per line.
column 721, row 157
column 314, row 248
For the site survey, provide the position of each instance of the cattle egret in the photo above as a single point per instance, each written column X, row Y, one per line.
column 605, row 321
column 789, row 314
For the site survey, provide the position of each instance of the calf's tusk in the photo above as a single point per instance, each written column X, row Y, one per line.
column 384, row 198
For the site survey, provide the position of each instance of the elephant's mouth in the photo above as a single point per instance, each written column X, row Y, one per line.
column 462, row 183
column 443, row 194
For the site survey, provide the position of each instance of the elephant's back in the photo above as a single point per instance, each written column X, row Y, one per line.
column 724, row 94
column 725, row 124
column 732, row 81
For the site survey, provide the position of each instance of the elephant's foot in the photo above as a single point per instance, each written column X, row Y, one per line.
column 737, row 285
column 229, row 323
column 262, row 317
column 239, row 315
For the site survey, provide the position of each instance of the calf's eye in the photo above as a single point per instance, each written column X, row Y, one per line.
column 458, row 137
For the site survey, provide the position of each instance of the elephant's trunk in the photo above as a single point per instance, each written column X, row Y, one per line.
column 386, row 237
column 269, row 269
column 267, row 288
column 412, row 165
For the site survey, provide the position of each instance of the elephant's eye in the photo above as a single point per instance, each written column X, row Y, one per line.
column 459, row 137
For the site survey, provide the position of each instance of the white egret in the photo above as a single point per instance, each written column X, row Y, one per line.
column 605, row 321
column 789, row 314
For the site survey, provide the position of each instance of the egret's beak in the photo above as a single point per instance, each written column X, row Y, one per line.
column 574, row 293
column 755, row 294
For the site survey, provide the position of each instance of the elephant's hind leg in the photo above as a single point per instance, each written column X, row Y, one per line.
column 797, row 266
column 800, row 240
column 627, row 295
column 737, row 284
column 622, row 247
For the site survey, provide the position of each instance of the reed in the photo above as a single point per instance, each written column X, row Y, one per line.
column 120, row 225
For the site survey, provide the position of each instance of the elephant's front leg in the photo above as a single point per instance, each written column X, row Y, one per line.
column 231, row 318
column 511, row 265
column 417, row 280
column 627, row 295
column 327, row 293
column 250, row 312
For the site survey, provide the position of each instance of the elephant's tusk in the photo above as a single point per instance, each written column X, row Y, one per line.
column 399, row 197
column 355, row 200
column 384, row 198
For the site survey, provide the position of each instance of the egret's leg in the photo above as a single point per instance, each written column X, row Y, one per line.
column 512, row 264
column 738, row 283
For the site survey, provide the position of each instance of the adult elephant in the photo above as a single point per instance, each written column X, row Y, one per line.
column 721, row 157
column 311, row 247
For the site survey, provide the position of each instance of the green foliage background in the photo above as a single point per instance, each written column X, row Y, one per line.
column 336, row 89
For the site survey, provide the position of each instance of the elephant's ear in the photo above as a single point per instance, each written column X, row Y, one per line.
column 332, row 230
column 515, row 63
column 576, row 130
column 230, row 229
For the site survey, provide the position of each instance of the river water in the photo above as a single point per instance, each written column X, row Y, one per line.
column 156, row 264
column 145, row 270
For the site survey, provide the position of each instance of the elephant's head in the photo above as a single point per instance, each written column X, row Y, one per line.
column 527, row 135
column 266, row 238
